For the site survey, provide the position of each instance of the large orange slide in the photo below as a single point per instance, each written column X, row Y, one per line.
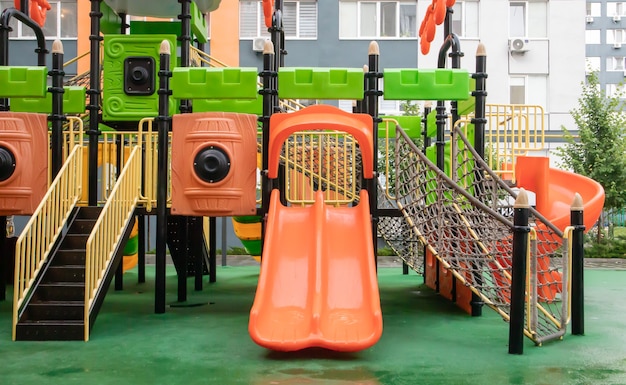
column 555, row 190
column 318, row 284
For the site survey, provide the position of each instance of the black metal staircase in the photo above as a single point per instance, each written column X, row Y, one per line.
column 55, row 310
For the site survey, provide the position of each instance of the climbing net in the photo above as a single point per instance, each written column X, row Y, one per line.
column 466, row 224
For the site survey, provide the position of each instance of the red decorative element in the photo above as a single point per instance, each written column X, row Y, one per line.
column 435, row 15
column 268, row 11
column 38, row 9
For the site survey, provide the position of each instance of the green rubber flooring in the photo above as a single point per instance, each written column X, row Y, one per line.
column 426, row 340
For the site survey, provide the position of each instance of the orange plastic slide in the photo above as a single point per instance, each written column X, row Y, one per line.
column 318, row 284
column 555, row 190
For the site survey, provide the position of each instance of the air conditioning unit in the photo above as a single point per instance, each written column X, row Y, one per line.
column 617, row 45
column 589, row 19
column 258, row 44
column 518, row 45
column 617, row 18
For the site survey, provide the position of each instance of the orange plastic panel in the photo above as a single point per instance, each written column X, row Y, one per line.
column 430, row 270
column 463, row 297
column 446, row 282
column 318, row 284
column 321, row 117
column 25, row 135
column 234, row 134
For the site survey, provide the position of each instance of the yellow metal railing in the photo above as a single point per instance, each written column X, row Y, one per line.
column 512, row 130
column 44, row 227
column 109, row 229
column 321, row 160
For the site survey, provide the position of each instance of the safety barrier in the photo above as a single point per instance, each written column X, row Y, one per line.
column 109, row 228
column 45, row 226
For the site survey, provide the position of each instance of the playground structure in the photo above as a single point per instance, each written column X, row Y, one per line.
column 446, row 212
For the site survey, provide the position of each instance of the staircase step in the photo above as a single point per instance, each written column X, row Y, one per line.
column 74, row 241
column 54, row 311
column 50, row 330
column 82, row 226
column 60, row 291
column 88, row 212
column 66, row 273
column 69, row 257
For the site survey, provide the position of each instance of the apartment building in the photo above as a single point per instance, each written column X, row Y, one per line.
column 605, row 39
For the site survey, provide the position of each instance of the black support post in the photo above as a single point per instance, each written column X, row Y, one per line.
column 212, row 249
column 480, row 94
column 94, row 102
column 268, row 93
column 521, row 232
column 372, row 93
column 164, row 123
column 578, row 257
column 57, row 118
column 141, row 249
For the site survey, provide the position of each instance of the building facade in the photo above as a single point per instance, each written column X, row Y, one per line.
column 605, row 38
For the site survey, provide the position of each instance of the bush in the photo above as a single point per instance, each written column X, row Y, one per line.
column 607, row 248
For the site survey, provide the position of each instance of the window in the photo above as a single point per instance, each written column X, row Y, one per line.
column 61, row 21
column 594, row 9
column 465, row 18
column 614, row 36
column 528, row 19
column 517, row 19
column 299, row 19
column 615, row 63
column 592, row 36
column 614, row 90
column 592, row 64
column 517, row 90
column 615, row 9
column 377, row 19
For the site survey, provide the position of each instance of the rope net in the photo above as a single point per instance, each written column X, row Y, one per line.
column 466, row 223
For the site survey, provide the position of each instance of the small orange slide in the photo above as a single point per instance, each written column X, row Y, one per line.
column 318, row 284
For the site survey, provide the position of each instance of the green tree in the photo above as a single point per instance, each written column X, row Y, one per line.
column 599, row 150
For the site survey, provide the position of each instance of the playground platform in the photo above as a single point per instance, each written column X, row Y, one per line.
column 426, row 340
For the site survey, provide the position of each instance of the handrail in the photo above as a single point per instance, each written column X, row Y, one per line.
column 109, row 229
column 44, row 227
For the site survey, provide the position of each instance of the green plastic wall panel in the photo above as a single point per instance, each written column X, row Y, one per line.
column 320, row 83
column 199, row 27
column 138, row 27
column 247, row 106
column 412, row 125
column 214, row 83
column 465, row 107
column 26, row 82
column 110, row 23
column 426, row 84
column 117, row 105
column 73, row 102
